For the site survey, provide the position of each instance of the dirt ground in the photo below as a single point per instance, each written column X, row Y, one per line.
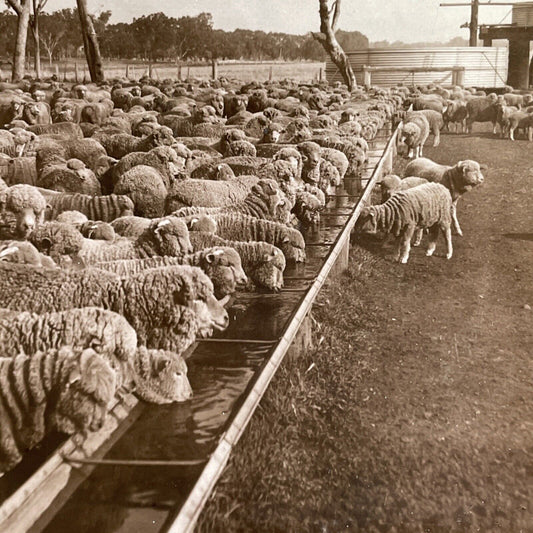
column 415, row 412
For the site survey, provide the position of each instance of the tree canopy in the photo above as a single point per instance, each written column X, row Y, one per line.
column 157, row 37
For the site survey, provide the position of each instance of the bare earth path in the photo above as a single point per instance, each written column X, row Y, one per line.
column 418, row 412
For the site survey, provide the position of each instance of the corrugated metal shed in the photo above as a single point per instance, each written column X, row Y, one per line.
column 485, row 66
column 523, row 14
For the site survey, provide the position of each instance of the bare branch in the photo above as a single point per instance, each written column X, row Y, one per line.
column 336, row 15
column 15, row 5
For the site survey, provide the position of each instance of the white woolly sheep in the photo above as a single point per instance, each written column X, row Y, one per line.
column 426, row 206
column 413, row 136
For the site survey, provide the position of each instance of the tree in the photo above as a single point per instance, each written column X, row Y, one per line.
column 38, row 6
column 22, row 9
column 90, row 43
column 329, row 19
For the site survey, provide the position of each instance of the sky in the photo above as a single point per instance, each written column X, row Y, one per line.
column 392, row 20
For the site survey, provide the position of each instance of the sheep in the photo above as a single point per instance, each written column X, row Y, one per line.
column 265, row 200
column 106, row 332
column 481, row 109
column 435, row 121
column 521, row 119
column 209, row 193
column 461, row 178
column 426, row 206
column 75, row 218
column 336, row 158
column 162, row 158
column 105, row 208
column 24, row 252
column 167, row 306
column 456, row 113
column 413, row 136
column 391, row 184
column 263, row 263
column 57, row 239
column 160, row 377
column 20, row 170
column 69, row 176
column 62, row 390
column 429, row 101
column 121, row 144
column 204, row 223
column 503, row 114
column 146, row 187
column 240, row 148
column 36, row 113
column 221, row 264
column 239, row 227
column 164, row 237
column 311, row 157
column 22, row 209
column 67, row 130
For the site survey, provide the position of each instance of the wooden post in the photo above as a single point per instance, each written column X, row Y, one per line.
column 57, row 71
column 487, row 42
column 320, row 74
column 367, row 77
column 270, row 73
column 76, row 77
column 150, row 70
column 178, row 73
column 65, row 72
column 128, row 71
column 474, row 11
column 188, row 73
column 214, row 70
column 518, row 76
column 461, row 77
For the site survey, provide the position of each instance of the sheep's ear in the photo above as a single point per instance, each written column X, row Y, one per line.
column 211, row 256
column 267, row 258
column 46, row 243
column 159, row 365
column 483, row 166
column 75, row 375
column 8, row 251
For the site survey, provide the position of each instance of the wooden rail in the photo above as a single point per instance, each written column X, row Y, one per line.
column 458, row 73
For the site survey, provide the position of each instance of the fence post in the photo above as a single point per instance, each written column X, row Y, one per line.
column 65, row 71
column 188, row 73
column 461, row 77
column 76, row 71
column 57, row 71
column 127, row 71
column 214, row 69
column 150, row 70
column 367, row 77
column 270, row 74
column 178, row 73
column 320, row 73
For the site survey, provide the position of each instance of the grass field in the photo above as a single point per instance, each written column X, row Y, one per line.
column 244, row 71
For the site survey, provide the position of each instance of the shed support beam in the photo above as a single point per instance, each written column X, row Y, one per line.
column 518, row 76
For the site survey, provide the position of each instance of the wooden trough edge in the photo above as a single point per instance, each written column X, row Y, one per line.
column 187, row 516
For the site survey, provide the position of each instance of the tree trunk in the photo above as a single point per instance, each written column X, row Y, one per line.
column 19, row 57
column 90, row 43
column 35, row 31
column 327, row 39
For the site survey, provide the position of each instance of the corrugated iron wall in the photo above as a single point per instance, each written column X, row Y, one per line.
column 485, row 66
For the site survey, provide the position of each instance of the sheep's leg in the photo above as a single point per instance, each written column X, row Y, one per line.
column 436, row 141
column 432, row 240
column 448, row 235
column 530, row 133
column 456, row 225
column 405, row 243
column 511, row 133
column 418, row 237
column 494, row 128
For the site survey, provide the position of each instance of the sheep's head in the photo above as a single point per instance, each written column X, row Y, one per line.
column 217, row 102
column 389, row 185
column 96, row 229
column 367, row 221
column 267, row 270
column 205, row 223
column 224, row 267
column 170, row 236
column 307, row 208
column 85, row 390
column 272, row 133
column 160, row 377
column 162, row 137
column 310, row 152
column 469, row 175
column 293, row 157
column 409, row 137
column 23, row 209
column 57, row 239
column 22, row 252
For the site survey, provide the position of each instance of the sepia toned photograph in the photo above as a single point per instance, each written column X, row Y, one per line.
column 266, row 266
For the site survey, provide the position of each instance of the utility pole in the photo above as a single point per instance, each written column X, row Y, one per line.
column 474, row 12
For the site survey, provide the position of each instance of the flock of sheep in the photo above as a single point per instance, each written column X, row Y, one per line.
column 129, row 215
column 426, row 198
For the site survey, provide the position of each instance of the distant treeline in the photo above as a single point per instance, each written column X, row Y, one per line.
column 157, row 37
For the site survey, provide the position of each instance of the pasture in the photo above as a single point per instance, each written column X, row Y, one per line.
column 413, row 412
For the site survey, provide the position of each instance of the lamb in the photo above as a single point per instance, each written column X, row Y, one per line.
column 414, row 134
column 22, row 209
column 62, row 390
column 221, row 264
column 209, row 193
column 167, row 306
column 121, row 144
column 435, row 121
column 503, row 115
column 391, row 184
column 106, row 332
column 165, row 237
column 263, row 263
column 105, row 208
column 426, row 206
column 461, row 178
column 145, row 185
column 265, row 201
column 481, row 109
